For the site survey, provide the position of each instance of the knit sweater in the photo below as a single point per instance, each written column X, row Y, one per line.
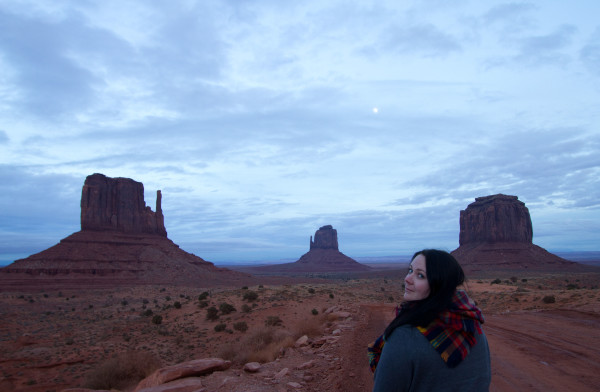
column 409, row 363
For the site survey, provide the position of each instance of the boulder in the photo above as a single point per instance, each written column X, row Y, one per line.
column 197, row 367
column 306, row 365
column 302, row 341
column 281, row 374
column 252, row 367
column 189, row 384
column 341, row 314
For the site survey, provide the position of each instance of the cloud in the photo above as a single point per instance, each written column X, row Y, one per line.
column 423, row 39
column 527, row 163
column 37, row 55
column 548, row 48
column 39, row 210
column 590, row 53
column 256, row 121
column 511, row 18
column 541, row 50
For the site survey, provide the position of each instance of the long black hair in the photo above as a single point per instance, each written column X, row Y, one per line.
column 444, row 275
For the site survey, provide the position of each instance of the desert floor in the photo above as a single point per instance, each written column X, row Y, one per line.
column 543, row 331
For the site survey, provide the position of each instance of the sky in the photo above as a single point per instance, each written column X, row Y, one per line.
column 261, row 121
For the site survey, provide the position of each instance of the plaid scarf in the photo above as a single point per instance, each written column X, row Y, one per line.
column 451, row 334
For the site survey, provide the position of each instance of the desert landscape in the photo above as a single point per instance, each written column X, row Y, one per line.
column 543, row 329
column 118, row 306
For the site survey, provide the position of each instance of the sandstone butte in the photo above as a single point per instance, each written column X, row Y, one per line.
column 121, row 241
column 496, row 233
column 323, row 256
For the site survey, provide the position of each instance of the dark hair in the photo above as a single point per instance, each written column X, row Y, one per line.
column 444, row 275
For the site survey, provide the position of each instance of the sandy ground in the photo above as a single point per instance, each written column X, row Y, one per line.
column 52, row 340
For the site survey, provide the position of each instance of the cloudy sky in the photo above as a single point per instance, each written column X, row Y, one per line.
column 261, row 121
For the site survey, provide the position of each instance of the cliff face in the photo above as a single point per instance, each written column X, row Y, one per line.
column 495, row 218
column 117, row 204
column 325, row 238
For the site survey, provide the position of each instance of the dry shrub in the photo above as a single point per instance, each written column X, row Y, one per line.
column 549, row 299
column 310, row 326
column 263, row 345
column 123, row 371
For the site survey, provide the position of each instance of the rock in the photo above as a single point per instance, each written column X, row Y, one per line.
column 118, row 204
column 323, row 256
column 496, row 233
column 341, row 314
column 319, row 342
column 306, row 365
column 331, row 309
column 26, row 340
column 325, row 238
column 294, row 385
column 252, row 367
column 189, row 384
column 337, row 332
column 495, row 218
column 281, row 374
column 122, row 242
column 197, row 367
column 302, row 341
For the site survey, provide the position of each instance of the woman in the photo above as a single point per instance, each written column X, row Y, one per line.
column 435, row 343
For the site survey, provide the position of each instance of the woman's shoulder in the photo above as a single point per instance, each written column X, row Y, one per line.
column 405, row 334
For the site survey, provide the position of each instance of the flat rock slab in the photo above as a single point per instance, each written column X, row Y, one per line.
column 197, row 367
column 189, row 384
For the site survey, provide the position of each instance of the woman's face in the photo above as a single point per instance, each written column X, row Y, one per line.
column 416, row 286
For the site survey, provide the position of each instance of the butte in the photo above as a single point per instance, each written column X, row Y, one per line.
column 323, row 256
column 496, row 233
column 121, row 242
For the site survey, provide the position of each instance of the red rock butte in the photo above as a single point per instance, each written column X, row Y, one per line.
column 323, row 256
column 496, row 233
column 122, row 241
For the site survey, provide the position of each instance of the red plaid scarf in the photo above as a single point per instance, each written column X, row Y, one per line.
column 451, row 334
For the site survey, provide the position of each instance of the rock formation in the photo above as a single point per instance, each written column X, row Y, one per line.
column 325, row 238
column 496, row 232
column 122, row 241
column 323, row 256
column 496, row 218
column 117, row 204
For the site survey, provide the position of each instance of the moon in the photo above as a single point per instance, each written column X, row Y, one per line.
column 375, row 110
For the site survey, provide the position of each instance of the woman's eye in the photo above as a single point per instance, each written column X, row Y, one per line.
column 421, row 276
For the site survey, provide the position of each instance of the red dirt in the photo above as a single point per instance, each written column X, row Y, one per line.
column 51, row 340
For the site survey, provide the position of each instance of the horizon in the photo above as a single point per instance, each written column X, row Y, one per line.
column 577, row 256
column 260, row 122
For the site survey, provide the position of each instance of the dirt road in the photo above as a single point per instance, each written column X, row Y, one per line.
column 555, row 350
column 355, row 374
column 545, row 351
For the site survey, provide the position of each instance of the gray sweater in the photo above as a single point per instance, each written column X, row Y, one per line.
column 409, row 363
